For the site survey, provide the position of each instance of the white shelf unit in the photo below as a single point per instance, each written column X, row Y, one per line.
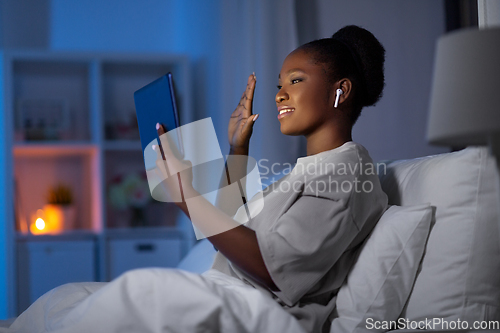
column 43, row 263
column 95, row 142
column 145, row 248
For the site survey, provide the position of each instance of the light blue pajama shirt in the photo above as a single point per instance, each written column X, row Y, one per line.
column 310, row 229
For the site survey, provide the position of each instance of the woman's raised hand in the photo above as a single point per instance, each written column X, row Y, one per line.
column 241, row 121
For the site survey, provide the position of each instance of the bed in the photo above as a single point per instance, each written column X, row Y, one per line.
column 434, row 255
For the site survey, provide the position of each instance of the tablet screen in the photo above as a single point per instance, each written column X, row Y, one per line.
column 155, row 103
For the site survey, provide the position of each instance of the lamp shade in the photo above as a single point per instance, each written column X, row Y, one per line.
column 465, row 95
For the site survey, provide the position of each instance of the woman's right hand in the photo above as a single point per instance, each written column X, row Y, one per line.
column 242, row 120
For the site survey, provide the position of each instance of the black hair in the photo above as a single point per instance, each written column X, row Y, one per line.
column 353, row 53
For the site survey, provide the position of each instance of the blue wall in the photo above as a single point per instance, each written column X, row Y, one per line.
column 190, row 27
column 396, row 127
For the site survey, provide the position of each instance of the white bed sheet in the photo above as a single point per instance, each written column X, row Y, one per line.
column 156, row 300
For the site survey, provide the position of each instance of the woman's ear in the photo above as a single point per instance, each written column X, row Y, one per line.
column 341, row 91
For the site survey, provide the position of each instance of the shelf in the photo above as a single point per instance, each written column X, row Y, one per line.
column 70, row 119
column 120, row 80
column 148, row 232
column 73, row 235
column 125, row 145
column 50, row 149
column 63, row 148
column 38, row 170
column 51, row 99
column 121, row 165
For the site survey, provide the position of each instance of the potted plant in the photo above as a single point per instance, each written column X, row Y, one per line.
column 61, row 207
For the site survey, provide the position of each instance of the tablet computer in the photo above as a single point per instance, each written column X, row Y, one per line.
column 155, row 103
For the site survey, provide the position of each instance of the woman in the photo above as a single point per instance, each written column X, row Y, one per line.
column 300, row 247
column 297, row 248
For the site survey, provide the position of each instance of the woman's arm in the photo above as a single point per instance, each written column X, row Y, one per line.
column 237, row 242
column 240, row 246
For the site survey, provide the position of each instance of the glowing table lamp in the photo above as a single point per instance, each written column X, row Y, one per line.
column 465, row 95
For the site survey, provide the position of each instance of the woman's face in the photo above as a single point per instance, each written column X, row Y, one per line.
column 304, row 99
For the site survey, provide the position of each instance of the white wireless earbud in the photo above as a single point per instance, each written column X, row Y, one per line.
column 337, row 97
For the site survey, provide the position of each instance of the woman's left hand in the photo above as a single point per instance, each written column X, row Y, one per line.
column 174, row 166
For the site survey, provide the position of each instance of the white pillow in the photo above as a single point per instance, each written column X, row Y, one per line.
column 380, row 282
column 460, row 271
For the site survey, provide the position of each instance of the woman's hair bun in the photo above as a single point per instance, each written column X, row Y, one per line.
column 369, row 56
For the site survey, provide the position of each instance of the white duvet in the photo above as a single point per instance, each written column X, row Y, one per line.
column 156, row 300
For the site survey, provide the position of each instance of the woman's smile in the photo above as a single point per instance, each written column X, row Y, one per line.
column 285, row 111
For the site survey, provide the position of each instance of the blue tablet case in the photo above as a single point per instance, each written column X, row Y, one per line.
column 155, row 103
